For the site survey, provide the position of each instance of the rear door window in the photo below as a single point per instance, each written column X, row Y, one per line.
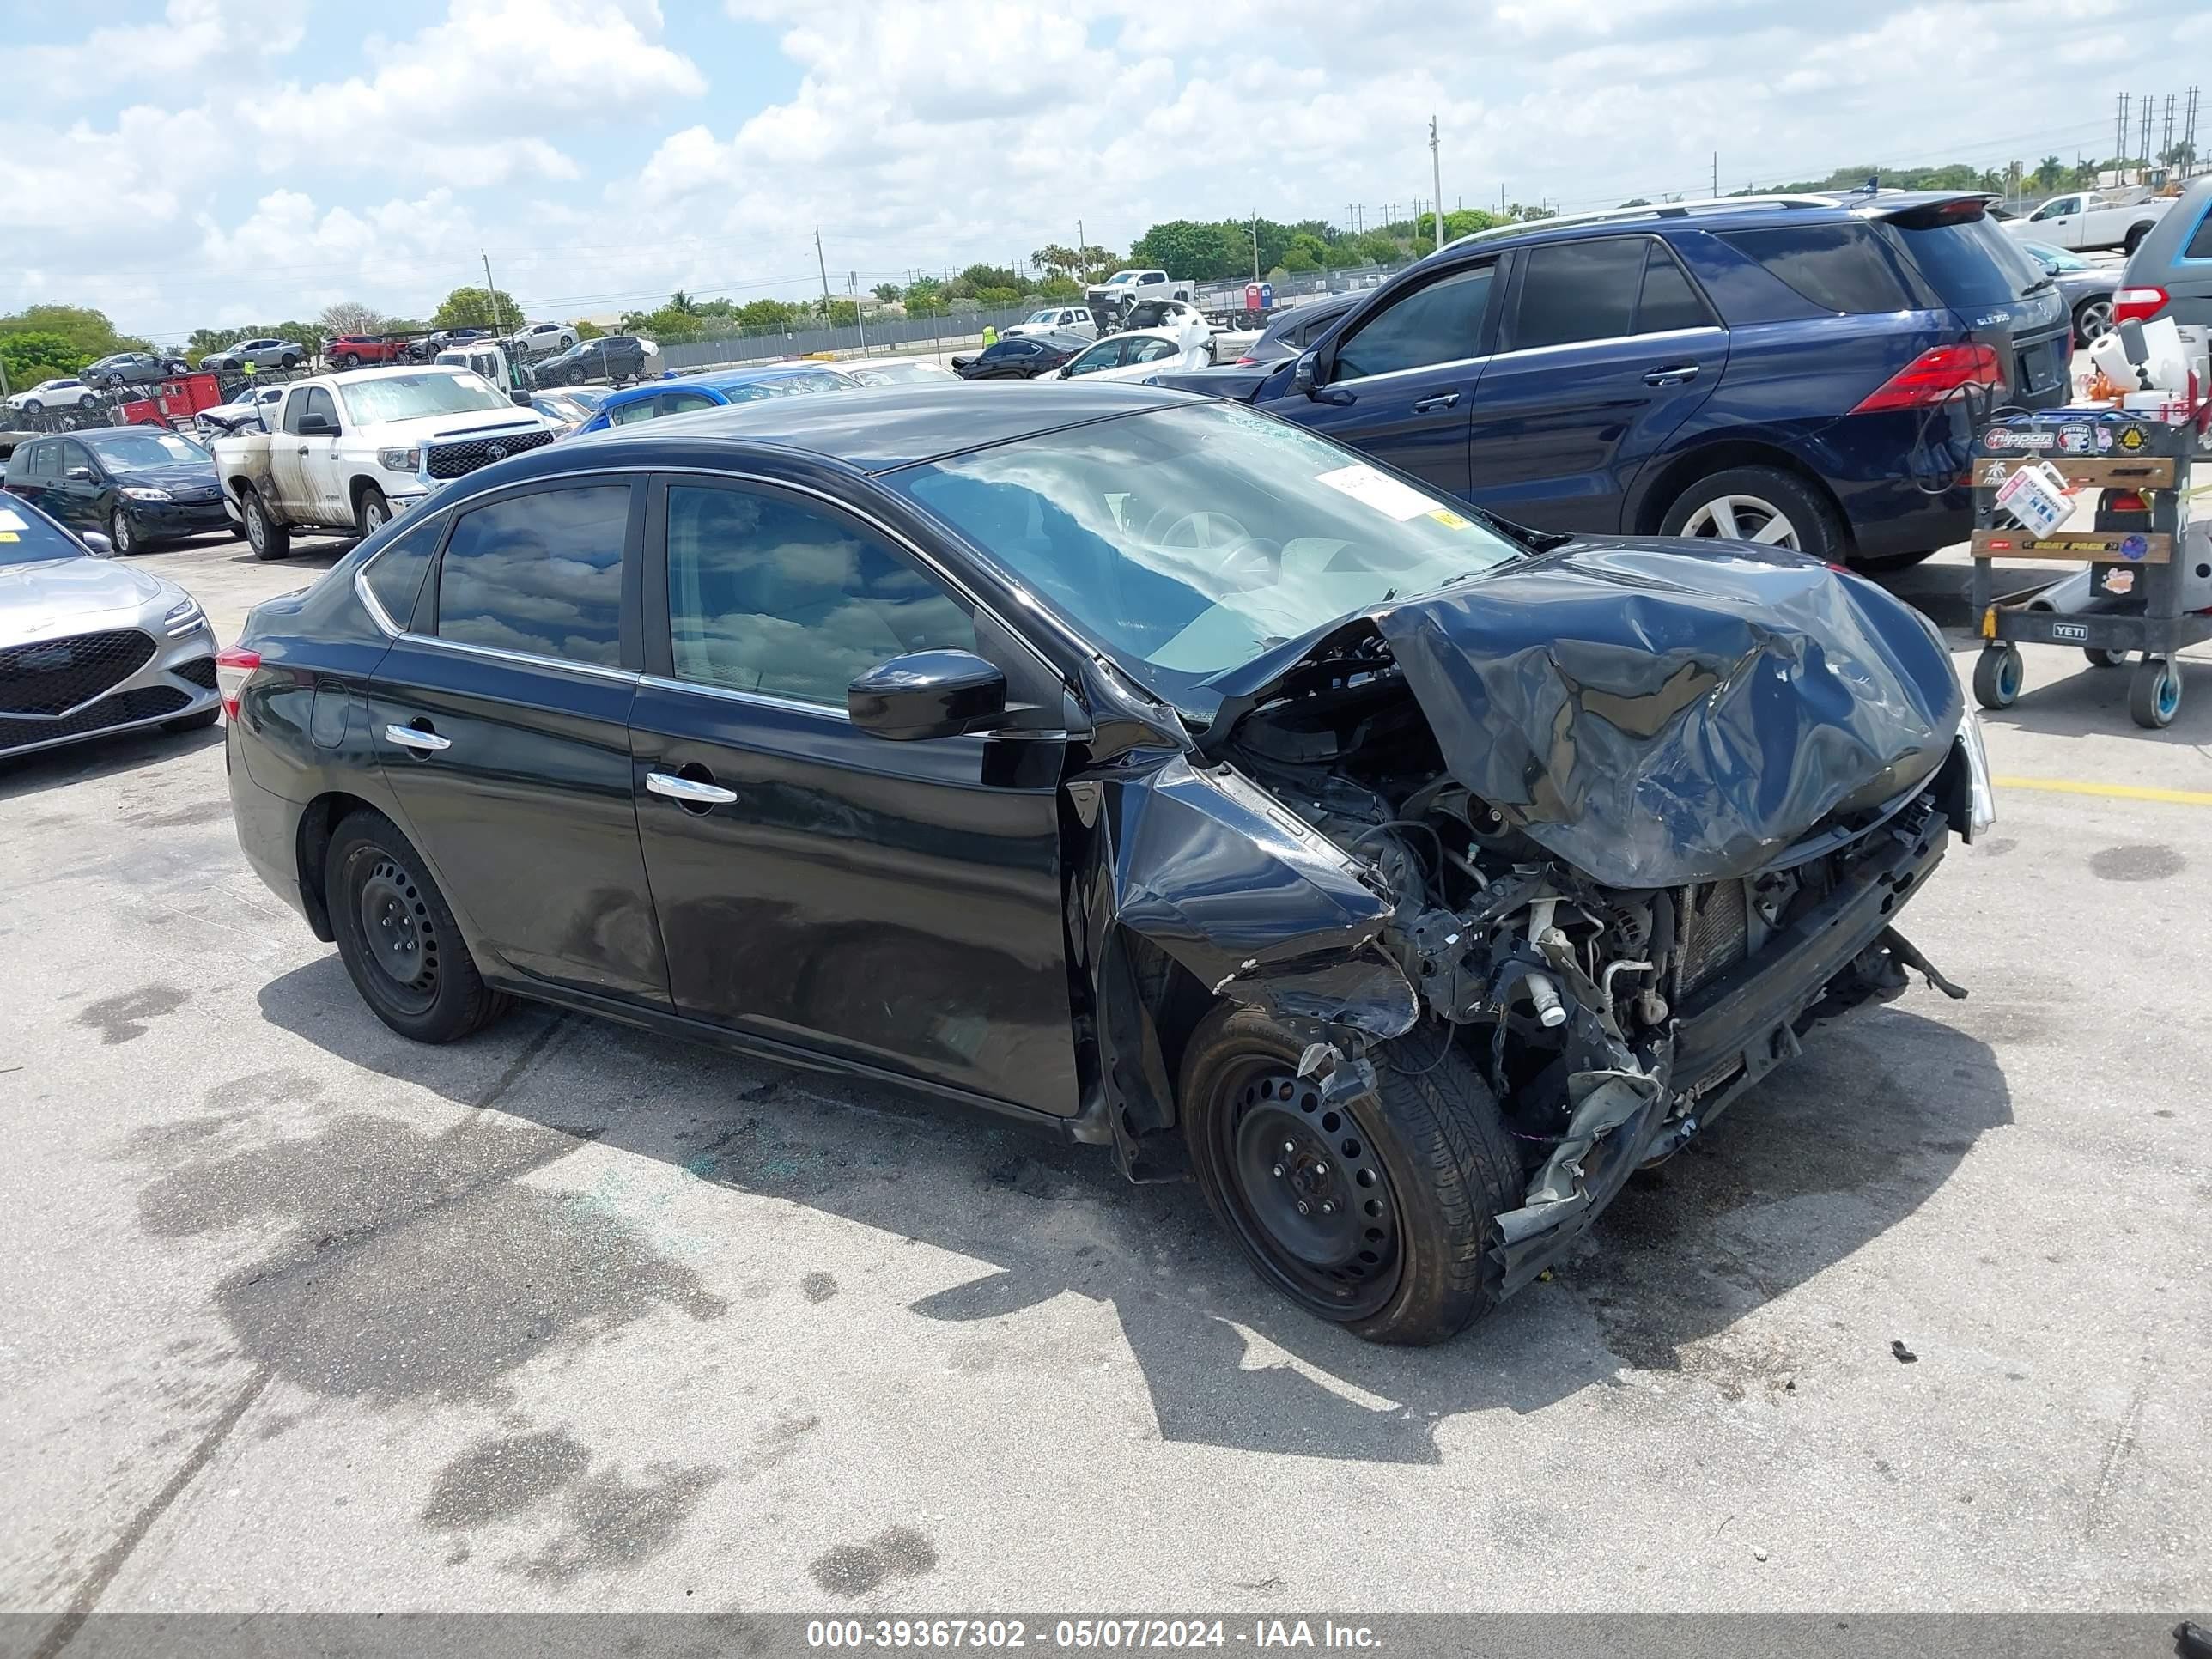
column 1440, row 323
column 2200, row 244
column 642, row 409
column 1840, row 268
column 539, row 573
column 1670, row 300
column 1577, row 291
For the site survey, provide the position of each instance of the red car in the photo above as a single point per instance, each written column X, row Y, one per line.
column 352, row 350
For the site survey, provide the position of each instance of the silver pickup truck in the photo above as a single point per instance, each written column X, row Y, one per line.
column 346, row 452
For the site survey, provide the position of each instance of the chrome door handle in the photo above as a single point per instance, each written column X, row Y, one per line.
column 1677, row 374
column 423, row 743
column 689, row 790
column 1443, row 400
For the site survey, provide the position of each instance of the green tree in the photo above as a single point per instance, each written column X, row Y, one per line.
column 926, row 297
column 476, row 307
column 838, row 313
column 588, row 331
column 88, row 333
column 1311, row 248
column 680, row 303
column 2181, row 156
column 2047, row 172
column 1055, row 290
column 1379, row 247
column 1053, row 257
column 982, row 276
column 999, row 295
column 887, row 292
column 1095, row 262
column 32, row 357
column 1204, row 252
column 767, row 313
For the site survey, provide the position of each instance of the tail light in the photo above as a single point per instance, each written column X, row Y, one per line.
column 2139, row 305
column 234, row 667
column 1933, row 375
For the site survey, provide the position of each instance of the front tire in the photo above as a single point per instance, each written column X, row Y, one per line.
column 34, row 407
column 269, row 539
column 396, row 936
column 1761, row 504
column 119, row 532
column 1400, row 1187
column 374, row 512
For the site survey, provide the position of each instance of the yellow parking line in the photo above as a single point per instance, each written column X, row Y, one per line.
column 2109, row 790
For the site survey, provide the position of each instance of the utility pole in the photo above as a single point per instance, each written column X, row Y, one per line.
column 2166, row 137
column 2120, row 142
column 2189, row 130
column 491, row 289
column 2144, row 176
column 1436, row 176
column 1255, row 247
column 824, row 269
column 853, row 287
column 1716, row 174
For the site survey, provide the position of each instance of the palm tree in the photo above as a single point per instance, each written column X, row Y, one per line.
column 1054, row 258
column 2048, row 171
column 680, row 303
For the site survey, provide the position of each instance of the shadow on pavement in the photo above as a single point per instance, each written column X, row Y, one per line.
column 1852, row 1137
column 100, row 757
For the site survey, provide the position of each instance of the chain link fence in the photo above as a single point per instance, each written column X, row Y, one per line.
column 872, row 336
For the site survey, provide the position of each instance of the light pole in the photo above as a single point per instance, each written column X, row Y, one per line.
column 1436, row 173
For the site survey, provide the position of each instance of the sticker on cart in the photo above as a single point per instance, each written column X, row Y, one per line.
column 2104, row 440
column 2074, row 441
column 2019, row 437
column 2069, row 631
column 2133, row 547
column 1994, row 473
column 2118, row 580
column 2133, row 438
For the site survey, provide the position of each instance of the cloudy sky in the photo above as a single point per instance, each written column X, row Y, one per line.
column 203, row 162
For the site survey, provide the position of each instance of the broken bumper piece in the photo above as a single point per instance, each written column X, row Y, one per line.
column 1841, row 952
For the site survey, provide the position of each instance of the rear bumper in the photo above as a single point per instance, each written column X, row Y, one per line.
column 268, row 828
column 1733, row 1033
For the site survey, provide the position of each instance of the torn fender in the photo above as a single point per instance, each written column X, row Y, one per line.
column 1259, row 906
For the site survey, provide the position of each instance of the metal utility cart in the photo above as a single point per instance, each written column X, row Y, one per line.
column 2143, row 591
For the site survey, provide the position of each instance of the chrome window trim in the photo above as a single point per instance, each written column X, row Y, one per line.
column 527, row 658
column 369, row 602
column 1612, row 339
column 730, row 693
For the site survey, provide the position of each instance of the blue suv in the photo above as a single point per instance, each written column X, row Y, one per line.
column 1799, row 370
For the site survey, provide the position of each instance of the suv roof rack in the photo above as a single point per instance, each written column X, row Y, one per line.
column 1652, row 210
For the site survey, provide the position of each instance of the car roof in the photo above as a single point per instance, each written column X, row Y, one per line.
column 755, row 376
column 870, row 430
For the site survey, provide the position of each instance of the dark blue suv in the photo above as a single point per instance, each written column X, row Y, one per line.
column 1798, row 370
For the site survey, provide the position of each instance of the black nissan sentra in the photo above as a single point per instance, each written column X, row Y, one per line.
column 1139, row 767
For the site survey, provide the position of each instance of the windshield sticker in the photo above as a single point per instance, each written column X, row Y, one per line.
column 1451, row 520
column 11, row 520
column 9, row 535
column 1379, row 490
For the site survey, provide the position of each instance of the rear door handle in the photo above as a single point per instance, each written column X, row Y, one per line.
column 1673, row 374
column 414, row 738
column 691, row 791
column 1441, row 400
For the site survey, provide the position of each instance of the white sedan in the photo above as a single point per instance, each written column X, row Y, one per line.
column 55, row 394
column 1131, row 356
column 1177, row 317
column 250, row 407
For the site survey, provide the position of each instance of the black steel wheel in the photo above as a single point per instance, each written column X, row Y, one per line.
column 1376, row 1212
column 397, row 938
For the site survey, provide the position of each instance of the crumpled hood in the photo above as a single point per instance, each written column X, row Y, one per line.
column 1654, row 715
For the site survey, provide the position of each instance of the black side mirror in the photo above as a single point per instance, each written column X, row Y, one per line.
column 929, row 694
column 521, row 399
column 1303, row 377
column 317, row 426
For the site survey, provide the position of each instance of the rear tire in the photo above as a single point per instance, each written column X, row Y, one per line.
column 269, row 539
column 396, row 936
column 2100, row 658
column 1753, row 499
column 1414, row 1176
column 2135, row 234
column 291, row 359
column 2093, row 319
column 350, row 360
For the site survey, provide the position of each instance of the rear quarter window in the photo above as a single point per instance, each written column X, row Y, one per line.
column 2200, row 239
column 1840, row 268
column 1968, row 262
column 395, row 575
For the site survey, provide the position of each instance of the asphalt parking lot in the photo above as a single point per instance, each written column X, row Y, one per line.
column 296, row 1315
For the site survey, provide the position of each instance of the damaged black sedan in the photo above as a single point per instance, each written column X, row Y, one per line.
column 1144, row 768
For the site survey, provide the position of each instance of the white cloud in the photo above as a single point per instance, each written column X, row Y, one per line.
column 581, row 143
column 194, row 37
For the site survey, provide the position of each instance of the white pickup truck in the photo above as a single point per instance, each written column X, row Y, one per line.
column 1109, row 300
column 345, row 452
column 2091, row 219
